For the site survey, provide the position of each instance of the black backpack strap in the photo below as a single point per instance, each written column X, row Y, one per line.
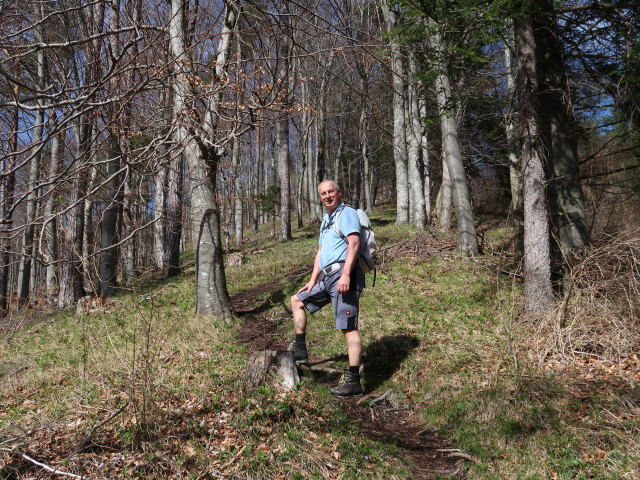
column 332, row 220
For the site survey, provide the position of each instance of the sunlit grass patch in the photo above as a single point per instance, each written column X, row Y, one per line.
column 306, row 435
column 274, row 262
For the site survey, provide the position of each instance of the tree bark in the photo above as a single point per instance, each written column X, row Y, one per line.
column 467, row 241
column 211, row 284
column 173, row 215
column 202, row 157
column 74, row 247
column 24, row 272
column 110, row 232
column 537, row 267
column 7, row 190
column 399, row 140
column 50, row 225
column 282, row 130
column 128, row 225
column 560, row 136
column 284, row 174
column 515, row 165
column 159, row 216
column 444, row 202
column 237, row 192
column 424, row 152
column 414, row 161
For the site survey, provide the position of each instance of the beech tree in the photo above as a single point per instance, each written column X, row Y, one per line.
column 391, row 16
column 537, row 267
column 199, row 140
column 132, row 130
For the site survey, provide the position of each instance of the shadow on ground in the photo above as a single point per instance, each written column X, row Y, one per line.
column 386, row 421
column 380, row 223
column 383, row 357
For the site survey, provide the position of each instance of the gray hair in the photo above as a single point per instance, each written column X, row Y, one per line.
column 335, row 184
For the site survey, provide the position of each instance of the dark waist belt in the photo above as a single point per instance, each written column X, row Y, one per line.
column 333, row 268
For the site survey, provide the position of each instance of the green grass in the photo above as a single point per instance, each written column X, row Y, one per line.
column 441, row 331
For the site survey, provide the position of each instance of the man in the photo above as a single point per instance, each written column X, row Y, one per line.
column 336, row 279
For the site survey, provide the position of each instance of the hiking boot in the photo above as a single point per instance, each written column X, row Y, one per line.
column 300, row 354
column 349, row 386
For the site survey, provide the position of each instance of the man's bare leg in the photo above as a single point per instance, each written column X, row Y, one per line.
column 299, row 315
column 300, row 327
column 354, row 347
column 350, row 383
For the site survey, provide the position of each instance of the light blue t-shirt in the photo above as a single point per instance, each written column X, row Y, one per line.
column 334, row 247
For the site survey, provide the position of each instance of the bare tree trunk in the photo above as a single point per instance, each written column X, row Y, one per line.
column 284, row 172
column 128, row 225
column 303, row 200
column 84, row 234
column 50, row 225
column 160, row 220
column 339, row 177
column 74, row 246
column 314, row 179
column 110, row 233
column 7, row 187
column 258, row 179
column 424, row 153
column 173, row 215
column 537, row 268
column 364, row 194
column 444, row 202
column 24, row 274
column 322, row 128
column 202, row 158
column 300, row 194
column 399, row 141
column 236, row 153
column 560, row 136
column 515, row 166
column 211, row 285
column 414, row 161
column 236, row 199
column 467, row 241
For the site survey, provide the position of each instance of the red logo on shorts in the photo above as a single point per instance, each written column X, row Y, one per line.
column 348, row 312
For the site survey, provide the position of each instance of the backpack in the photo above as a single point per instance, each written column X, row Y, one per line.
column 367, row 258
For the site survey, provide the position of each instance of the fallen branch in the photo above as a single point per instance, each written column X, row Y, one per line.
column 54, row 471
column 464, row 456
column 454, row 452
column 316, row 368
column 381, row 397
column 102, row 423
column 25, row 435
column 449, row 472
column 233, row 459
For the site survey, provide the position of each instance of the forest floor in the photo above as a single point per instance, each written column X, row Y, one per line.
column 458, row 382
column 380, row 418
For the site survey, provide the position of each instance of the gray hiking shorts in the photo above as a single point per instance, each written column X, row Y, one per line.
column 345, row 306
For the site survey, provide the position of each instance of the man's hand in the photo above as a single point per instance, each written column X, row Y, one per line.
column 307, row 287
column 344, row 282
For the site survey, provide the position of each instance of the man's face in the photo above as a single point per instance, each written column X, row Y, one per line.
column 330, row 196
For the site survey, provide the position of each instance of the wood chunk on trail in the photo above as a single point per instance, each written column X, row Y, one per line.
column 279, row 364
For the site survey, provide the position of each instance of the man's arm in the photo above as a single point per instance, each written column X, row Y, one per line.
column 315, row 274
column 353, row 248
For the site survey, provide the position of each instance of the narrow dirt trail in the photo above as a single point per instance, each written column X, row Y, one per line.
column 386, row 421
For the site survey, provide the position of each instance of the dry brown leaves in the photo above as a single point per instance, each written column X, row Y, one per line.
column 600, row 313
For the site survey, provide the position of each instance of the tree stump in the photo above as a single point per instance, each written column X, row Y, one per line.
column 279, row 363
column 234, row 259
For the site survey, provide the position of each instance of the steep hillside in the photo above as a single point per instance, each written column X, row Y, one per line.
column 141, row 388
